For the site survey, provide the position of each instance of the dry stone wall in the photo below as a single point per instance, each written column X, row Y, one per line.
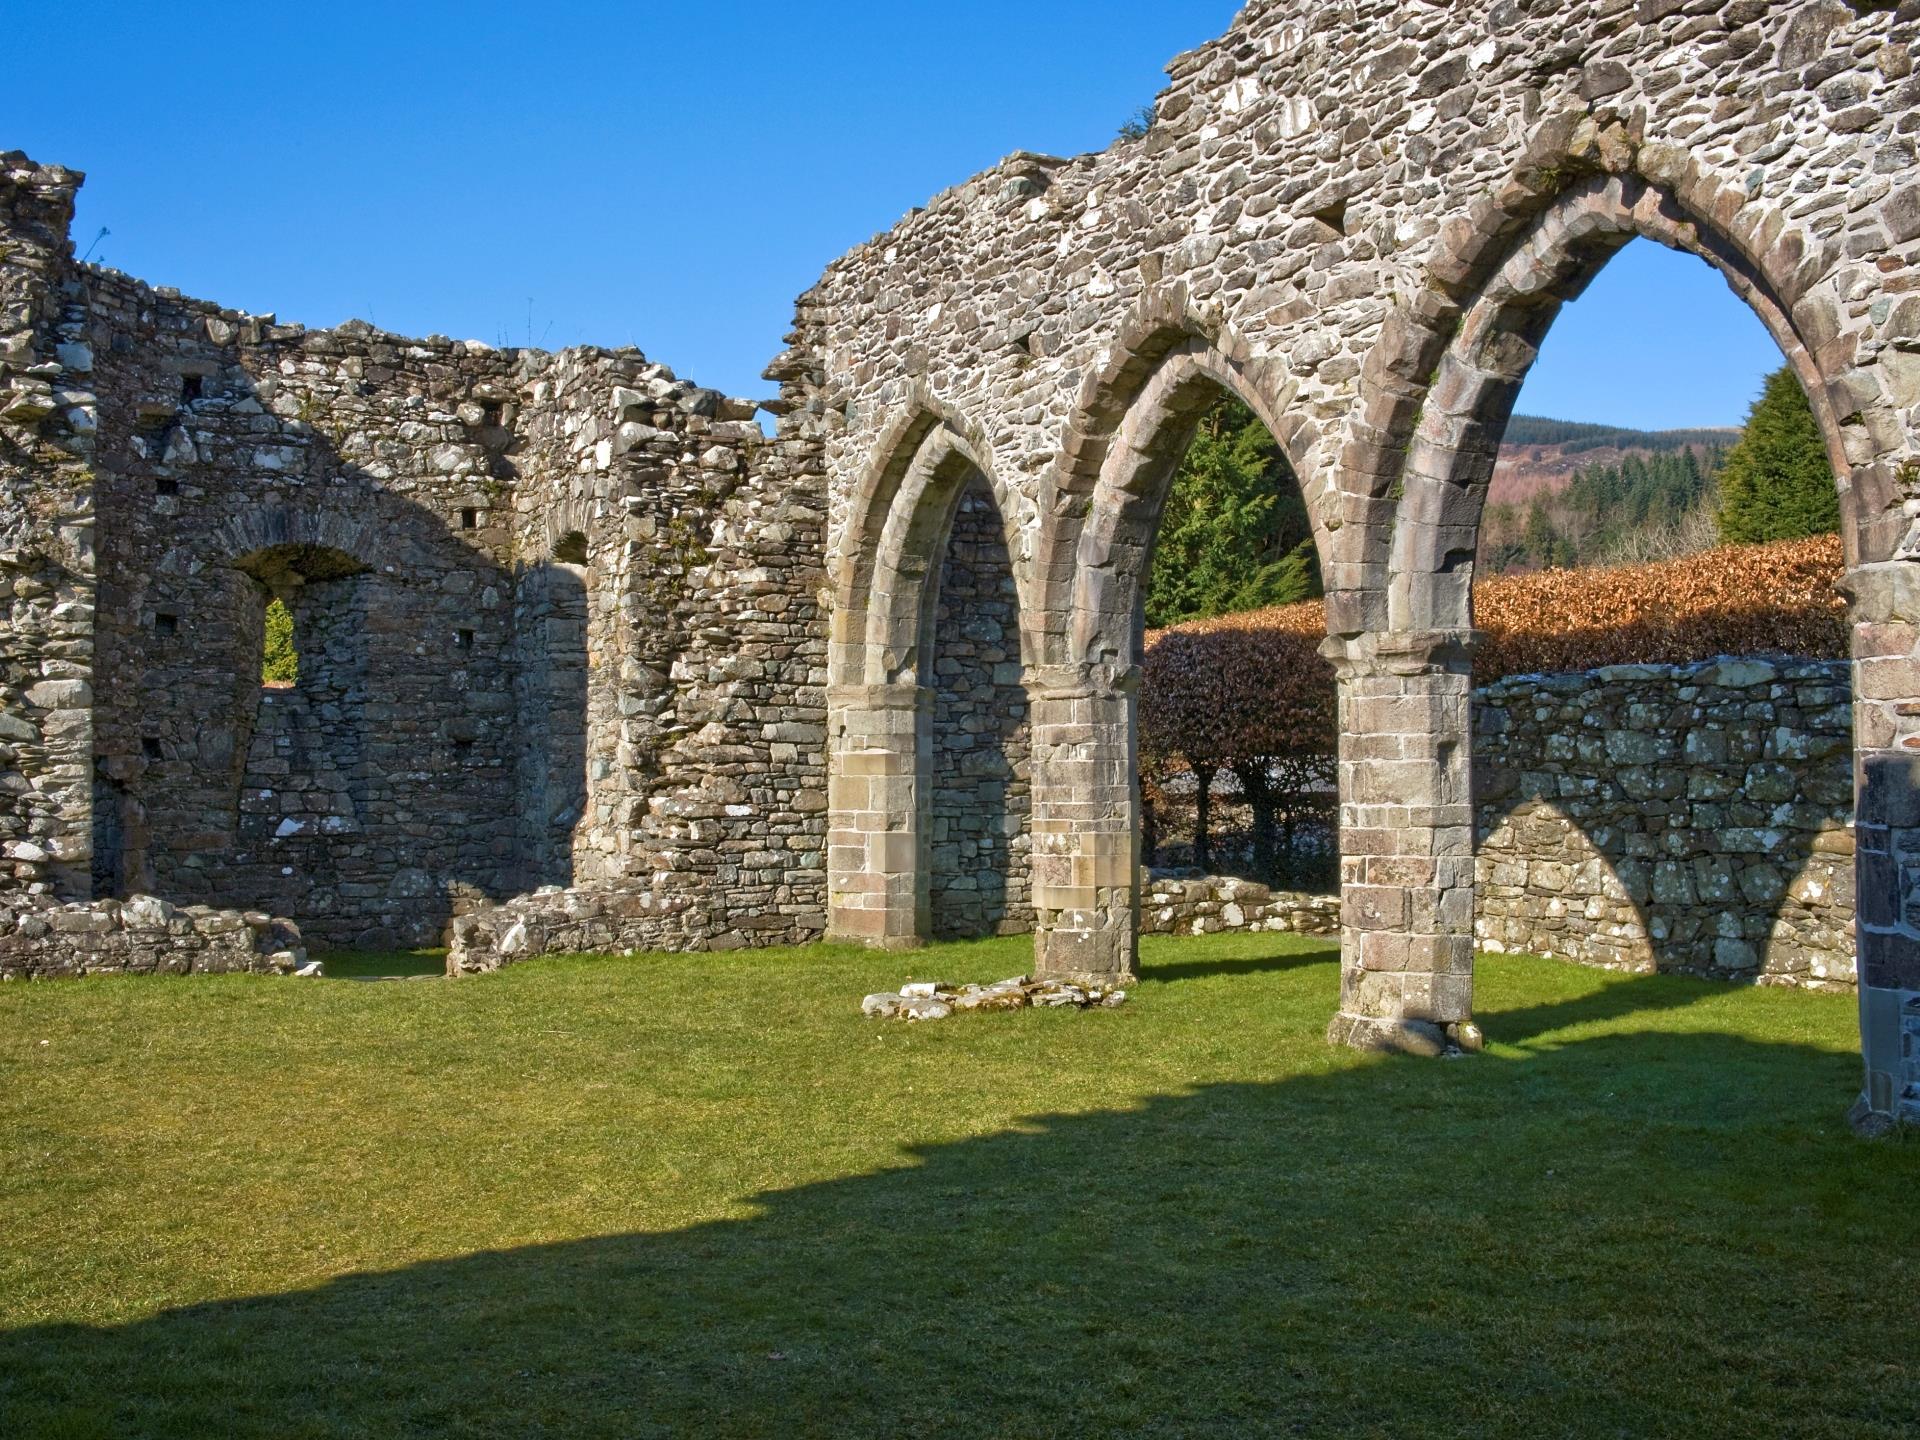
column 43, row 940
column 1187, row 902
column 1693, row 819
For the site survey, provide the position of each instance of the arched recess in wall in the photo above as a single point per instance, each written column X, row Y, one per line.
column 239, row 788
column 1512, row 292
column 554, row 768
column 928, row 707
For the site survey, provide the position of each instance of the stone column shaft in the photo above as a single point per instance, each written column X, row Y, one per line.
column 1086, row 839
column 877, row 796
column 1406, row 841
column 1886, row 728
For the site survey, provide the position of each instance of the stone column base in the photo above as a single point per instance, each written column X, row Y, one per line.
column 1381, row 1033
column 1084, row 957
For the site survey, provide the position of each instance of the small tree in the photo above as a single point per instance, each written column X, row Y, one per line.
column 1776, row 483
column 1136, row 125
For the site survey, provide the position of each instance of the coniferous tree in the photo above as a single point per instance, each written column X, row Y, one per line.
column 1775, row 483
column 1234, row 533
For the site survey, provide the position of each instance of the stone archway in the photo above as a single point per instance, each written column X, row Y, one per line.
column 1137, row 421
column 1409, row 905
column 1324, row 199
column 882, row 695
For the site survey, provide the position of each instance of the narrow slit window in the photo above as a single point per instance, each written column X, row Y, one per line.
column 150, row 747
column 192, row 388
column 463, row 639
column 279, row 658
column 469, row 518
column 166, row 623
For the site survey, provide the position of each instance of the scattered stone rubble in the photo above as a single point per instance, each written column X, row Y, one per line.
column 936, row 1000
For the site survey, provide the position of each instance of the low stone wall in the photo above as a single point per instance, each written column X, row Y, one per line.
column 1694, row 819
column 1186, row 902
column 142, row 935
column 609, row 920
column 1688, row 818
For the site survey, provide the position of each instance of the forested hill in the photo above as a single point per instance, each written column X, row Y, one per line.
column 1234, row 533
column 1575, row 436
column 1538, row 456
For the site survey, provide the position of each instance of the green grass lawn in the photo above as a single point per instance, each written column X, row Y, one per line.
column 701, row 1195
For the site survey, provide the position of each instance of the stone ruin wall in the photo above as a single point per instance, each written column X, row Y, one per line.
column 1692, row 819
column 363, row 480
column 1362, row 219
column 168, row 465
column 46, row 547
column 1312, row 211
column 1701, row 814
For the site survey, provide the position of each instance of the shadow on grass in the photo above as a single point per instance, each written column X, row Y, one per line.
column 382, row 964
column 1327, row 953
column 1650, row 1233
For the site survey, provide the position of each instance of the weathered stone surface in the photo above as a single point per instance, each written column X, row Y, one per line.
column 1184, row 902
column 459, row 558
column 42, row 939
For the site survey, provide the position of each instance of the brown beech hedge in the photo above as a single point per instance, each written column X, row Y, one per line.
column 1254, row 686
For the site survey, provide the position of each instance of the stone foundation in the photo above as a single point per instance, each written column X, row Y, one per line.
column 142, row 935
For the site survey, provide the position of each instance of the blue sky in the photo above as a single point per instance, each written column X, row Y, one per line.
column 669, row 177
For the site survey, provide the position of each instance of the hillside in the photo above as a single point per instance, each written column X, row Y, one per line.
column 1538, row 456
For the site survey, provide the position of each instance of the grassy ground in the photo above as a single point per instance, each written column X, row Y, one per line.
column 701, row 1195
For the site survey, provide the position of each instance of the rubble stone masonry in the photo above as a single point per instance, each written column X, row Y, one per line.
column 573, row 621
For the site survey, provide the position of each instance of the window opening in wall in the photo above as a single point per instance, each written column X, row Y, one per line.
column 150, row 747
column 463, row 639
column 192, row 388
column 1236, row 780
column 279, row 659
column 166, row 486
column 571, row 548
column 469, row 518
column 490, row 414
column 166, row 623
